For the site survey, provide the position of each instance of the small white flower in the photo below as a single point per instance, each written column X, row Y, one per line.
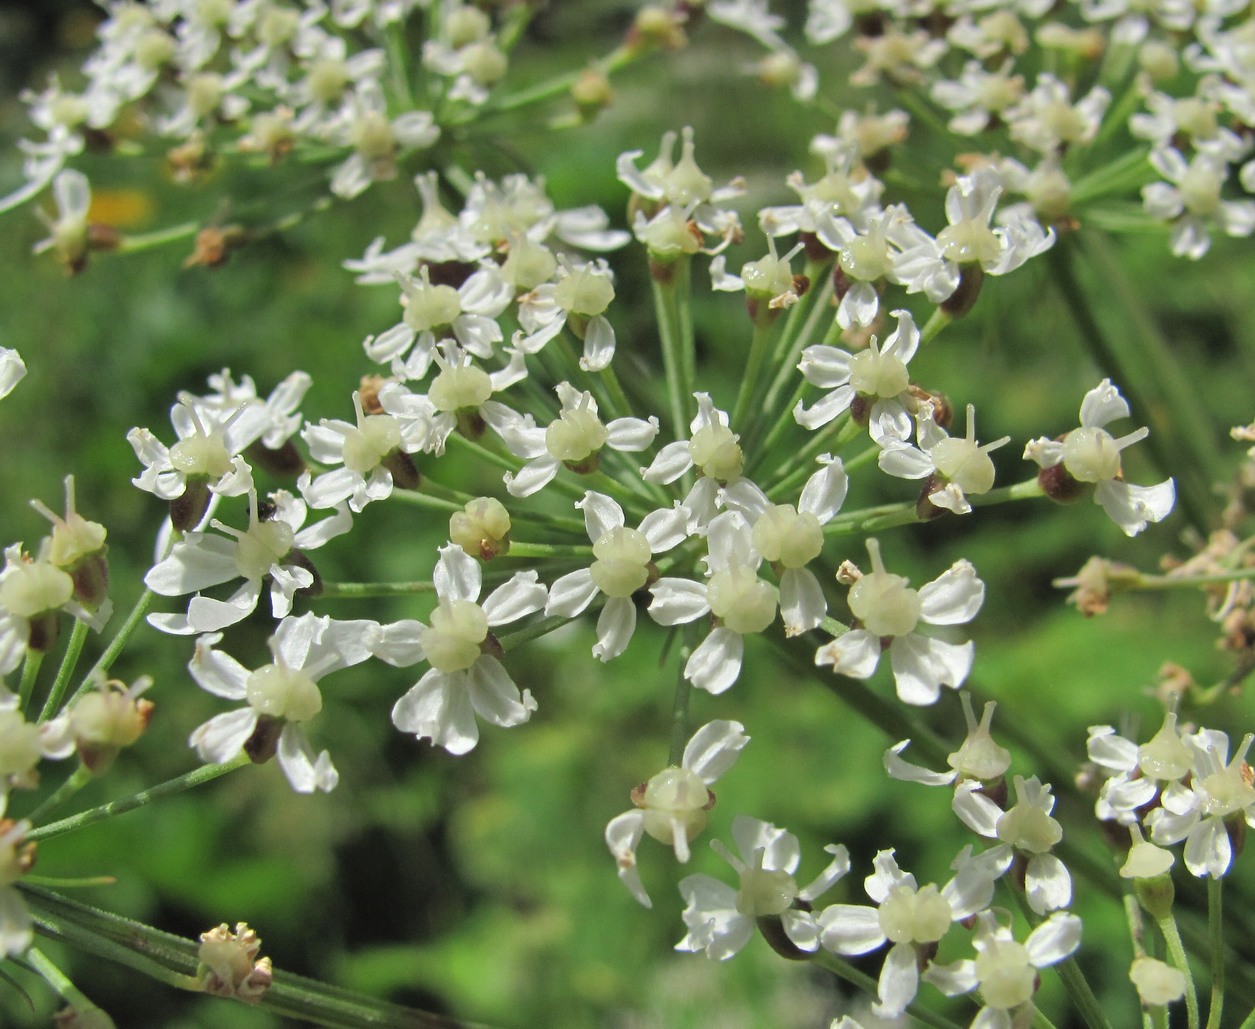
column 872, row 383
column 1191, row 201
column 278, row 697
column 577, row 300
column 1090, row 454
column 622, row 565
column 1005, row 970
column 739, row 601
column 888, row 609
column 464, row 679
column 272, row 549
column 16, row 928
column 574, row 439
column 674, row 805
column 913, row 918
column 721, row 919
column 979, row 758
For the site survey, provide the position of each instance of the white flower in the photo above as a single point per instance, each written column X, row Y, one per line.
column 374, row 454
column 1005, row 970
column 279, row 697
column 1157, row 982
column 574, row 439
column 715, row 450
column 67, row 233
column 913, row 918
column 578, row 300
column 1191, row 200
column 789, row 538
column 435, row 312
column 1219, row 792
column 1027, row 828
column 272, row 549
column 622, row 565
column 1138, row 772
column 888, row 611
column 1048, row 121
column 12, row 370
column 739, row 601
column 721, row 919
column 872, row 383
column 205, row 456
column 957, row 464
column 979, row 758
column 465, row 679
column 376, row 140
column 275, row 418
column 845, row 193
column 674, row 805
column 1091, row 454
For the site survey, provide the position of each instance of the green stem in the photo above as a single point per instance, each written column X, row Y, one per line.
column 551, row 88
column 680, row 710
column 69, row 661
column 157, row 238
column 117, row 644
column 1215, row 921
column 362, row 590
column 1040, row 1020
column 58, row 980
column 30, row 672
column 174, row 960
column 579, row 552
column 674, row 344
column 759, row 341
column 845, row 970
column 1181, row 961
column 74, row 782
column 179, row 784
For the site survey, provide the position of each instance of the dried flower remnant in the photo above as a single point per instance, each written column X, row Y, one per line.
column 228, row 965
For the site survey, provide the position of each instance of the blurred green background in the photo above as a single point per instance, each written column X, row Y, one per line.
column 480, row 885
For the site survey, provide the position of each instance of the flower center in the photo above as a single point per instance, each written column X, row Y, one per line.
column 873, row 374
column 456, row 389
column 281, row 692
column 885, row 604
column 201, row 455
column 907, row 916
column 585, row 292
column 675, row 796
column 1165, row 756
column 741, row 600
column 452, row 642
column 786, row 537
column 1091, row 455
column 969, row 242
column 31, row 588
column 1006, row 975
column 428, row 307
column 577, row 434
column 375, row 436
column 622, row 562
column 765, row 891
column 262, row 547
column 715, row 451
column 964, row 463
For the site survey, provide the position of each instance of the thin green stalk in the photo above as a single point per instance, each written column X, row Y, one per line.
column 845, row 970
column 750, row 379
column 937, row 321
column 1181, row 961
column 573, row 551
column 179, row 784
column 1040, row 1020
column 800, row 467
column 69, row 661
column 399, row 65
column 157, row 238
column 117, row 644
column 58, row 980
column 74, row 782
column 1215, row 920
column 363, row 590
column 551, row 88
column 680, row 709
column 671, row 338
column 174, row 960
column 30, row 672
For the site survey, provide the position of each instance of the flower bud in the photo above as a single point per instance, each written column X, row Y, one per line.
column 482, row 529
column 108, row 719
column 77, row 546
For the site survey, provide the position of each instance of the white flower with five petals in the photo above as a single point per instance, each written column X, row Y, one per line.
column 465, row 678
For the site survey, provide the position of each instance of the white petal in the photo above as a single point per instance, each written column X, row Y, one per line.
column 714, row 748
column 802, row 604
column 204, row 614
column 975, row 810
column 669, row 464
column 1132, row 507
column 953, row 597
column 1053, row 940
column 631, row 434
column 716, row 662
column 598, row 345
column 16, row 932
column 1047, row 884
column 922, row 665
column 196, row 562
column 623, row 835
column 438, row 707
column 494, row 695
column 615, row 626
column 533, row 476
column 677, row 600
column 1208, row 850
column 571, row 594
column 457, row 575
column 824, row 492
column 1103, row 404
column 521, row 596
column 665, row 528
column 223, row 736
column 218, row 673
column 899, row 981
column 897, row 768
column 601, row 514
column 304, row 772
column 855, row 654
column 850, row 929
